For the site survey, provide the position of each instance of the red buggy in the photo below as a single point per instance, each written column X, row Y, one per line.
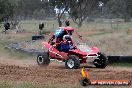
column 81, row 53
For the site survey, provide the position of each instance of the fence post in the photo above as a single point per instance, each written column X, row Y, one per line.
column 53, row 26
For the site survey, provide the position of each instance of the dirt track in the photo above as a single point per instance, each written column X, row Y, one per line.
column 19, row 70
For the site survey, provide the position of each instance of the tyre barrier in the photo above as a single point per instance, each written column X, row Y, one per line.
column 37, row 37
column 117, row 59
column 16, row 47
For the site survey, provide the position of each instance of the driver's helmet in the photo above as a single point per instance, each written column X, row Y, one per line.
column 59, row 32
column 67, row 38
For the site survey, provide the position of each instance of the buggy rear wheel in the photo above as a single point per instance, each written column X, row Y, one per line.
column 101, row 61
column 72, row 62
column 43, row 59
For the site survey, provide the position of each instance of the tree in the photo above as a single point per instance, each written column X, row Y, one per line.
column 120, row 9
column 77, row 9
column 27, row 9
column 81, row 9
column 39, row 14
column 128, row 10
column 61, row 6
column 6, row 9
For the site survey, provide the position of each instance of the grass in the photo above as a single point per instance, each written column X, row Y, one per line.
column 6, row 39
column 52, row 25
column 103, row 33
column 123, row 64
column 33, row 25
column 7, row 84
column 113, row 43
column 109, row 41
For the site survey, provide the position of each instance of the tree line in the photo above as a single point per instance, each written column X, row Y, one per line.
column 25, row 9
column 78, row 10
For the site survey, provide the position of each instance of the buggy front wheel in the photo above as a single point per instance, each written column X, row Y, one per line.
column 43, row 59
column 72, row 62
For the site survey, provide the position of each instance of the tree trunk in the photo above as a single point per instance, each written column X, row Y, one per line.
column 79, row 24
column 59, row 22
column 127, row 18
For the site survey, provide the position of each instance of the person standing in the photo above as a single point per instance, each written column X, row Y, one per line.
column 6, row 26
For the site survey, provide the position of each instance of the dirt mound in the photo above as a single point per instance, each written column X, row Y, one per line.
column 38, row 74
column 57, row 74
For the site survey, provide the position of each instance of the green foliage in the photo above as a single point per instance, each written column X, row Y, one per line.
column 81, row 9
column 24, row 9
column 34, row 8
column 39, row 14
column 6, row 9
column 120, row 9
column 60, row 4
column 116, row 7
column 77, row 9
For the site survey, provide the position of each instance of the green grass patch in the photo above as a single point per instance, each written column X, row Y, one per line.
column 97, row 34
column 123, row 64
column 9, row 84
column 5, row 84
column 33, row 25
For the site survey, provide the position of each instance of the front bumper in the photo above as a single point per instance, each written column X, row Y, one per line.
column 91, row 57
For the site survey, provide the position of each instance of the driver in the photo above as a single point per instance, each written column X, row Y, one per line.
column 67, row 44
column 59, row 33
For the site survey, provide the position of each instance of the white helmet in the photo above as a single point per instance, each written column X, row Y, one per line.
column 67, row 37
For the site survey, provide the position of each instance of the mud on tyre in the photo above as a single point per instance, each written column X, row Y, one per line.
column 72, row 62
column 43, row 59
column 102, row 61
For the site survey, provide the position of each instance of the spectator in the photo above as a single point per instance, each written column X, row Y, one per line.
column 6, row 26
column 41, row 26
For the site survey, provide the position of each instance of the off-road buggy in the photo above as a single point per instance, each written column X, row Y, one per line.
column 81, row 53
